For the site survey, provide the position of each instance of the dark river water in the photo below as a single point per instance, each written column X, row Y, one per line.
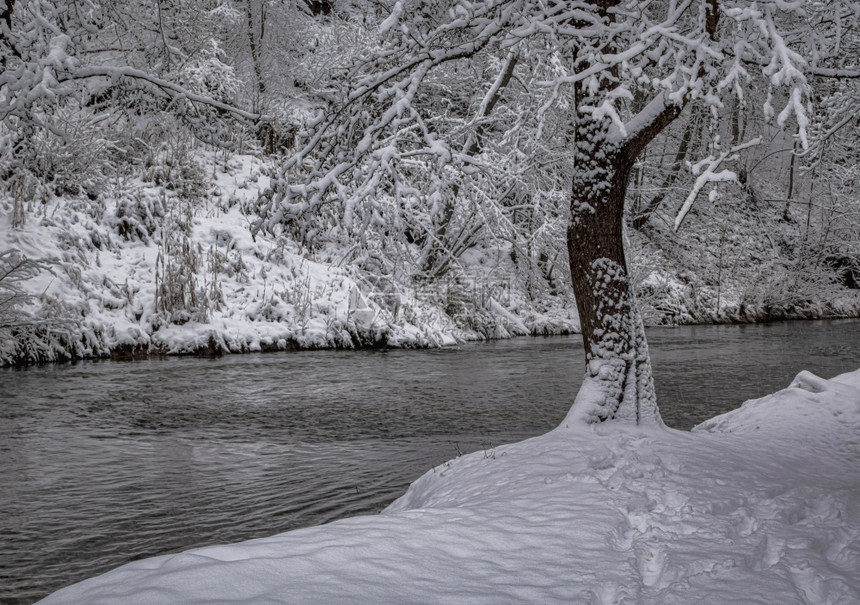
column 102, row 463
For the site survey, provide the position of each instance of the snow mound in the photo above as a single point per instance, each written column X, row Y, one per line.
column 761, row 505
column 823, row 412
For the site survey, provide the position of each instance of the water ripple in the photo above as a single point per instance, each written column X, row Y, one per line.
column 103, row 463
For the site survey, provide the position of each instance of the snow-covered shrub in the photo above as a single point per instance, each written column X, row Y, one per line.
column 187, row 284
column 14, row 269
column 178, row 294
column 171, row 161
column 33, row 328
column 79, row 159
column 138, row 215
column 792, row 291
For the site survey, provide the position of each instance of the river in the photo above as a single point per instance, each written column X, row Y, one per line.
column 102, row 462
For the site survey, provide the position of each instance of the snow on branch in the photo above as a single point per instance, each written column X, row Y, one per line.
column 380, row 127
column 707, row 171
column 171, row 89
column 637, row 126
column 399, row 119
column 55, row 56
column 393, row 19
column 838, row 74
column 786, row 69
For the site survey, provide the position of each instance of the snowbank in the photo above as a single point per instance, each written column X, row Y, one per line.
column 147, row 269
column 761, row 505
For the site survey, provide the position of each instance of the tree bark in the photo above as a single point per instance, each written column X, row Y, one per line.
column 318, row 7
column 6, row 13
column 6, row 32
column 618, row 383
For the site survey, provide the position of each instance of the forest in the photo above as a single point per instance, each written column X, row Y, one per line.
column 201, row 177
column 224, row 176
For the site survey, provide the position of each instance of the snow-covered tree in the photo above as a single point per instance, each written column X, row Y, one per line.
column 462, row 99
column 78, row 76
column 823, row 199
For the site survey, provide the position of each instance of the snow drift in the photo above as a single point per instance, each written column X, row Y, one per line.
column 760, row 505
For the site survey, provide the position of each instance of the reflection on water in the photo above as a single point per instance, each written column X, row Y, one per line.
column 103, row 462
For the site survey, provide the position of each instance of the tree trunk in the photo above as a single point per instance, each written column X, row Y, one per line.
column 6, row 32
column 255, row 39
column 618, row 383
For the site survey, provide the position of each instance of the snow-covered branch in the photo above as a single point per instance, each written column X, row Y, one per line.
column 53, row 55
column 707, row 171
column 169, row 89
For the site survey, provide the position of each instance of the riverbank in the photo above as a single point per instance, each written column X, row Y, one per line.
column 732, row 512
column 153, row 268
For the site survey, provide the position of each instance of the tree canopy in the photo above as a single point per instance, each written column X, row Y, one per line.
column 465, row 109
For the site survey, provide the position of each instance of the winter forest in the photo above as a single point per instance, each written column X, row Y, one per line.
column 208, row 176
column 182, row 179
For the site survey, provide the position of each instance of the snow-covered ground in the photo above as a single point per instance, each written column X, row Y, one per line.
column 152, row 269
column 166, row 264
column 760, row 505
